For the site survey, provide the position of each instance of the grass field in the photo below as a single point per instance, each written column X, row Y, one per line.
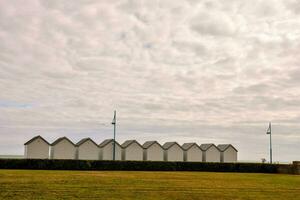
column 26, row 184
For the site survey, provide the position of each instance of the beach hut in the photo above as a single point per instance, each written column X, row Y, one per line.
column 106, row 150
column 211, row 153
column 37, row 148
column 132, row 150
column 63, row 148
column 87, row 149
column 228, row 153
column 192, row 152
column 153, row 151
column 173, row 151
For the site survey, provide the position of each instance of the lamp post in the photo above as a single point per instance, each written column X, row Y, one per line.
column 114, row 142
column 269, row 132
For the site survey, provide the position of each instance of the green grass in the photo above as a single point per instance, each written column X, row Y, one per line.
column 27, row 184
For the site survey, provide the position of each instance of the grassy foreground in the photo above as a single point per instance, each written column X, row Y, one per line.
column 27, row 184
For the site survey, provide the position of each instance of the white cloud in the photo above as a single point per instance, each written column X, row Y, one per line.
column 208, row 71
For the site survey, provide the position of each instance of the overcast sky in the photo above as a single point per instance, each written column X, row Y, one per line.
column 205, row 71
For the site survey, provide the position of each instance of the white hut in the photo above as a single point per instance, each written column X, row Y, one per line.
column 132, row 150
column 106, row 150
column 37, row 148
column 173, row 151
column 192, row 152
column 63, row 148
column 153, row 151
column 228, row 153
column 211, row 153
column 87, row 149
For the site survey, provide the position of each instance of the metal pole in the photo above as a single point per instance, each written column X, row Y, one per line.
column 114, row 147
column 270, row 143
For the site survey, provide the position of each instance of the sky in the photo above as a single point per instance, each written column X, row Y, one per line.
column 205, row 71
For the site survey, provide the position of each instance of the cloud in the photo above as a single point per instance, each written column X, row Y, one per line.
column 293, row 5
column 216, row 24
column 205, row 71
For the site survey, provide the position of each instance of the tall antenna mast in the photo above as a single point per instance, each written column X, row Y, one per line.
column 114, row 122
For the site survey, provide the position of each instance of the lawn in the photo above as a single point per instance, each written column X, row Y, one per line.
column 27, row 184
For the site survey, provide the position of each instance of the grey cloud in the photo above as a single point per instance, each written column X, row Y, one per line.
column 215, row 25
column 259, row 88
column 293, row 5
column 196, row 48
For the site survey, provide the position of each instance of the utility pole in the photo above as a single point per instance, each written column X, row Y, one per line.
column 269, row 131
column 114, row 142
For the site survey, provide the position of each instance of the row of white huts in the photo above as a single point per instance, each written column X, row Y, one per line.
column 87, row 149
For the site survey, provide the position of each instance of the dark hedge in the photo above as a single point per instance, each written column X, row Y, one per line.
column 139, row 166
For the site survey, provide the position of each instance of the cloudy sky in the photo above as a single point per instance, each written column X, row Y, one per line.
column 205, row 71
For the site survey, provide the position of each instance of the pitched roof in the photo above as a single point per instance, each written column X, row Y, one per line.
column 129, row 142
column 106, row 142
column 168, row 145
column 205, row 147
column 84, row 140
column 148, row 144
column 187, row 146
column 60, row 139
column 34, row 138
column 224, row 147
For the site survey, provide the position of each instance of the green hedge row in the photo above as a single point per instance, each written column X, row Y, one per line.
column 137, row 165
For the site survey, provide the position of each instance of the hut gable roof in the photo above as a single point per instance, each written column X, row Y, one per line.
column 127, row 143
column 61, row 139
column 168, row 145
column 224, row 147
column 106, row 142
column 148, row 144
column 36, row 137
column 205, row 147
column 187, row 146
column 85, row 140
